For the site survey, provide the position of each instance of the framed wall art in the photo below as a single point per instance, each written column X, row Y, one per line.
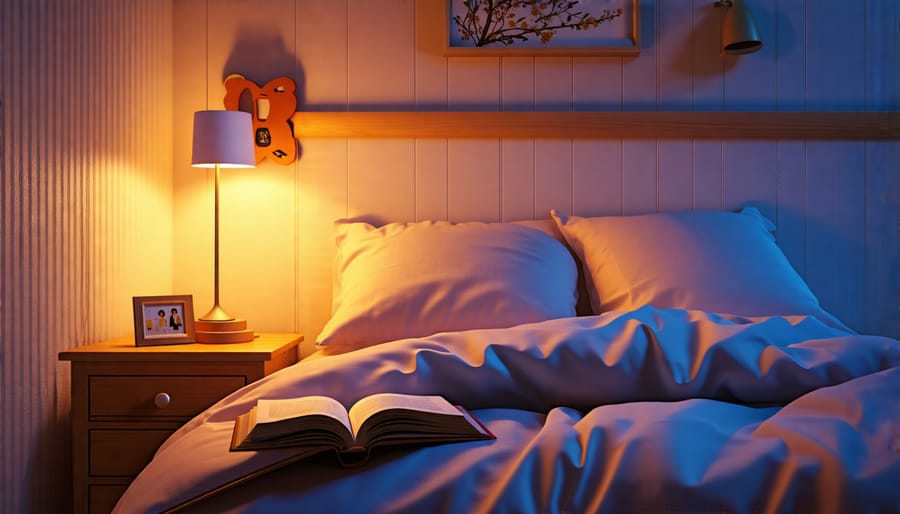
column 162, row 320
column 541, row 27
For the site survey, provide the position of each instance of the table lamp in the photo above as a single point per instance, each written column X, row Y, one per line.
column 222, row 139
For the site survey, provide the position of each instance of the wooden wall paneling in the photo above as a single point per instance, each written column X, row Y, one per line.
column 707, row 64
column 675, row 63
column 381, row 179
column 790, row 92
column 517, row 179
column 74, row 43
column 14, row 432
column 708, row 174
column 430, row 95
column 321, row 172
column 321, row 178
column 597, row 164
column 675, row 58
column 749, row 176
column 258, row 209
column 101, row 211
column 639, row 74
column 381, row 64
column 836, row 71
column 128, row 196
column 87, row 212
column 708, row 95
column 553, row 164
column 749, row 80
column 256, row 41
column 790, row 202
column 882, row 239
column 517, row 84
column 321, row 47
column 259, row 43
column 430, row 64
column 835, row 227
column 473, row 84
column 553, row 84
column 790, row 55
column 473, row 180
column 597, row 83
column 882, row 55
column 473, row 166
column 517, row 156
column 597, row 179
column 640, row 176
column 431, row 179
column 639, row 93
column 748, row 170
column 675, row 184
column 381, row 54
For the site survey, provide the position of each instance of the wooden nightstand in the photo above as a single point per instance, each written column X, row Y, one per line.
column 127, row 400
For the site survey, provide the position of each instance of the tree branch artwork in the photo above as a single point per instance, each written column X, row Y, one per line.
column 491, row 22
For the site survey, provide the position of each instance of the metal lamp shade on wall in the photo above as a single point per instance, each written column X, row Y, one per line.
column 739, row 33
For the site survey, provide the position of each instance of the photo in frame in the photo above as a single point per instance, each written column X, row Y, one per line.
column 160, row 320
column 541, row 27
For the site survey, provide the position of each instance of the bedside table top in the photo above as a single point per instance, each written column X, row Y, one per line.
column 262, row 348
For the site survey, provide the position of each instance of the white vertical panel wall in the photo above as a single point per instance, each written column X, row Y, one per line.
column 835, row 202
column 86, row 206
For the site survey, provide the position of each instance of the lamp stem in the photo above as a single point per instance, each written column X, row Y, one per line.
column 217, row 313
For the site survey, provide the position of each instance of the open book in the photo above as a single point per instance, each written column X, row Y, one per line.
column 322, row 423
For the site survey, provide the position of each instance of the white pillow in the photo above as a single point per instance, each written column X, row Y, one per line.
column 417, row 279
column 719, row 262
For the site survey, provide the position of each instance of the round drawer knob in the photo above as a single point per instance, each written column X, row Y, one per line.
column 162, row 400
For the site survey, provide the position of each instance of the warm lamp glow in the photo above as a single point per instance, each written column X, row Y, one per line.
column 222, row 139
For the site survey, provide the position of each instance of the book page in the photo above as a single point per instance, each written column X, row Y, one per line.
column 268, row 411
column 385, row 401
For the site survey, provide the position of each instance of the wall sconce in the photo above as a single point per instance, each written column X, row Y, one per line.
column 739, row 34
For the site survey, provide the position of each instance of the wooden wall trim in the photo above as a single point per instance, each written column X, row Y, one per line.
column 663, row 125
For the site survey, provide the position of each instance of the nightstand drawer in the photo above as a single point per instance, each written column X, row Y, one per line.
column 133, row 396
column 122, row 452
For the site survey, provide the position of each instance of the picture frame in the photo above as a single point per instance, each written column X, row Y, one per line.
column 161, row 320
column 542, row 28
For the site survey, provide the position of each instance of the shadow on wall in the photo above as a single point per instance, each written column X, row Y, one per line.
column 828, row 256
column 777, row 32
column 827, row 273
column 260, row 56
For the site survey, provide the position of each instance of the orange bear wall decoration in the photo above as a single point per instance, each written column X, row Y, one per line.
column 272, row 107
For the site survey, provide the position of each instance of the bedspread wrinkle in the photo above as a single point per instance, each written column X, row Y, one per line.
column 652, row 410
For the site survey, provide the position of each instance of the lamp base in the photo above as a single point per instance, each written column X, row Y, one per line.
column 233, row 331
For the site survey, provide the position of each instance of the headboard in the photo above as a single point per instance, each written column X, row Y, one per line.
column 505, row 166
column 679, row 125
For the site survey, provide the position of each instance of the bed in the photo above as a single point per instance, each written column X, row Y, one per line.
column 669, row 362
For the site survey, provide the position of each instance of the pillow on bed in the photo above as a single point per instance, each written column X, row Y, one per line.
column 719, row 262
column 416, row 279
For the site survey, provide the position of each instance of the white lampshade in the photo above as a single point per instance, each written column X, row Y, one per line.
column 224, row 138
